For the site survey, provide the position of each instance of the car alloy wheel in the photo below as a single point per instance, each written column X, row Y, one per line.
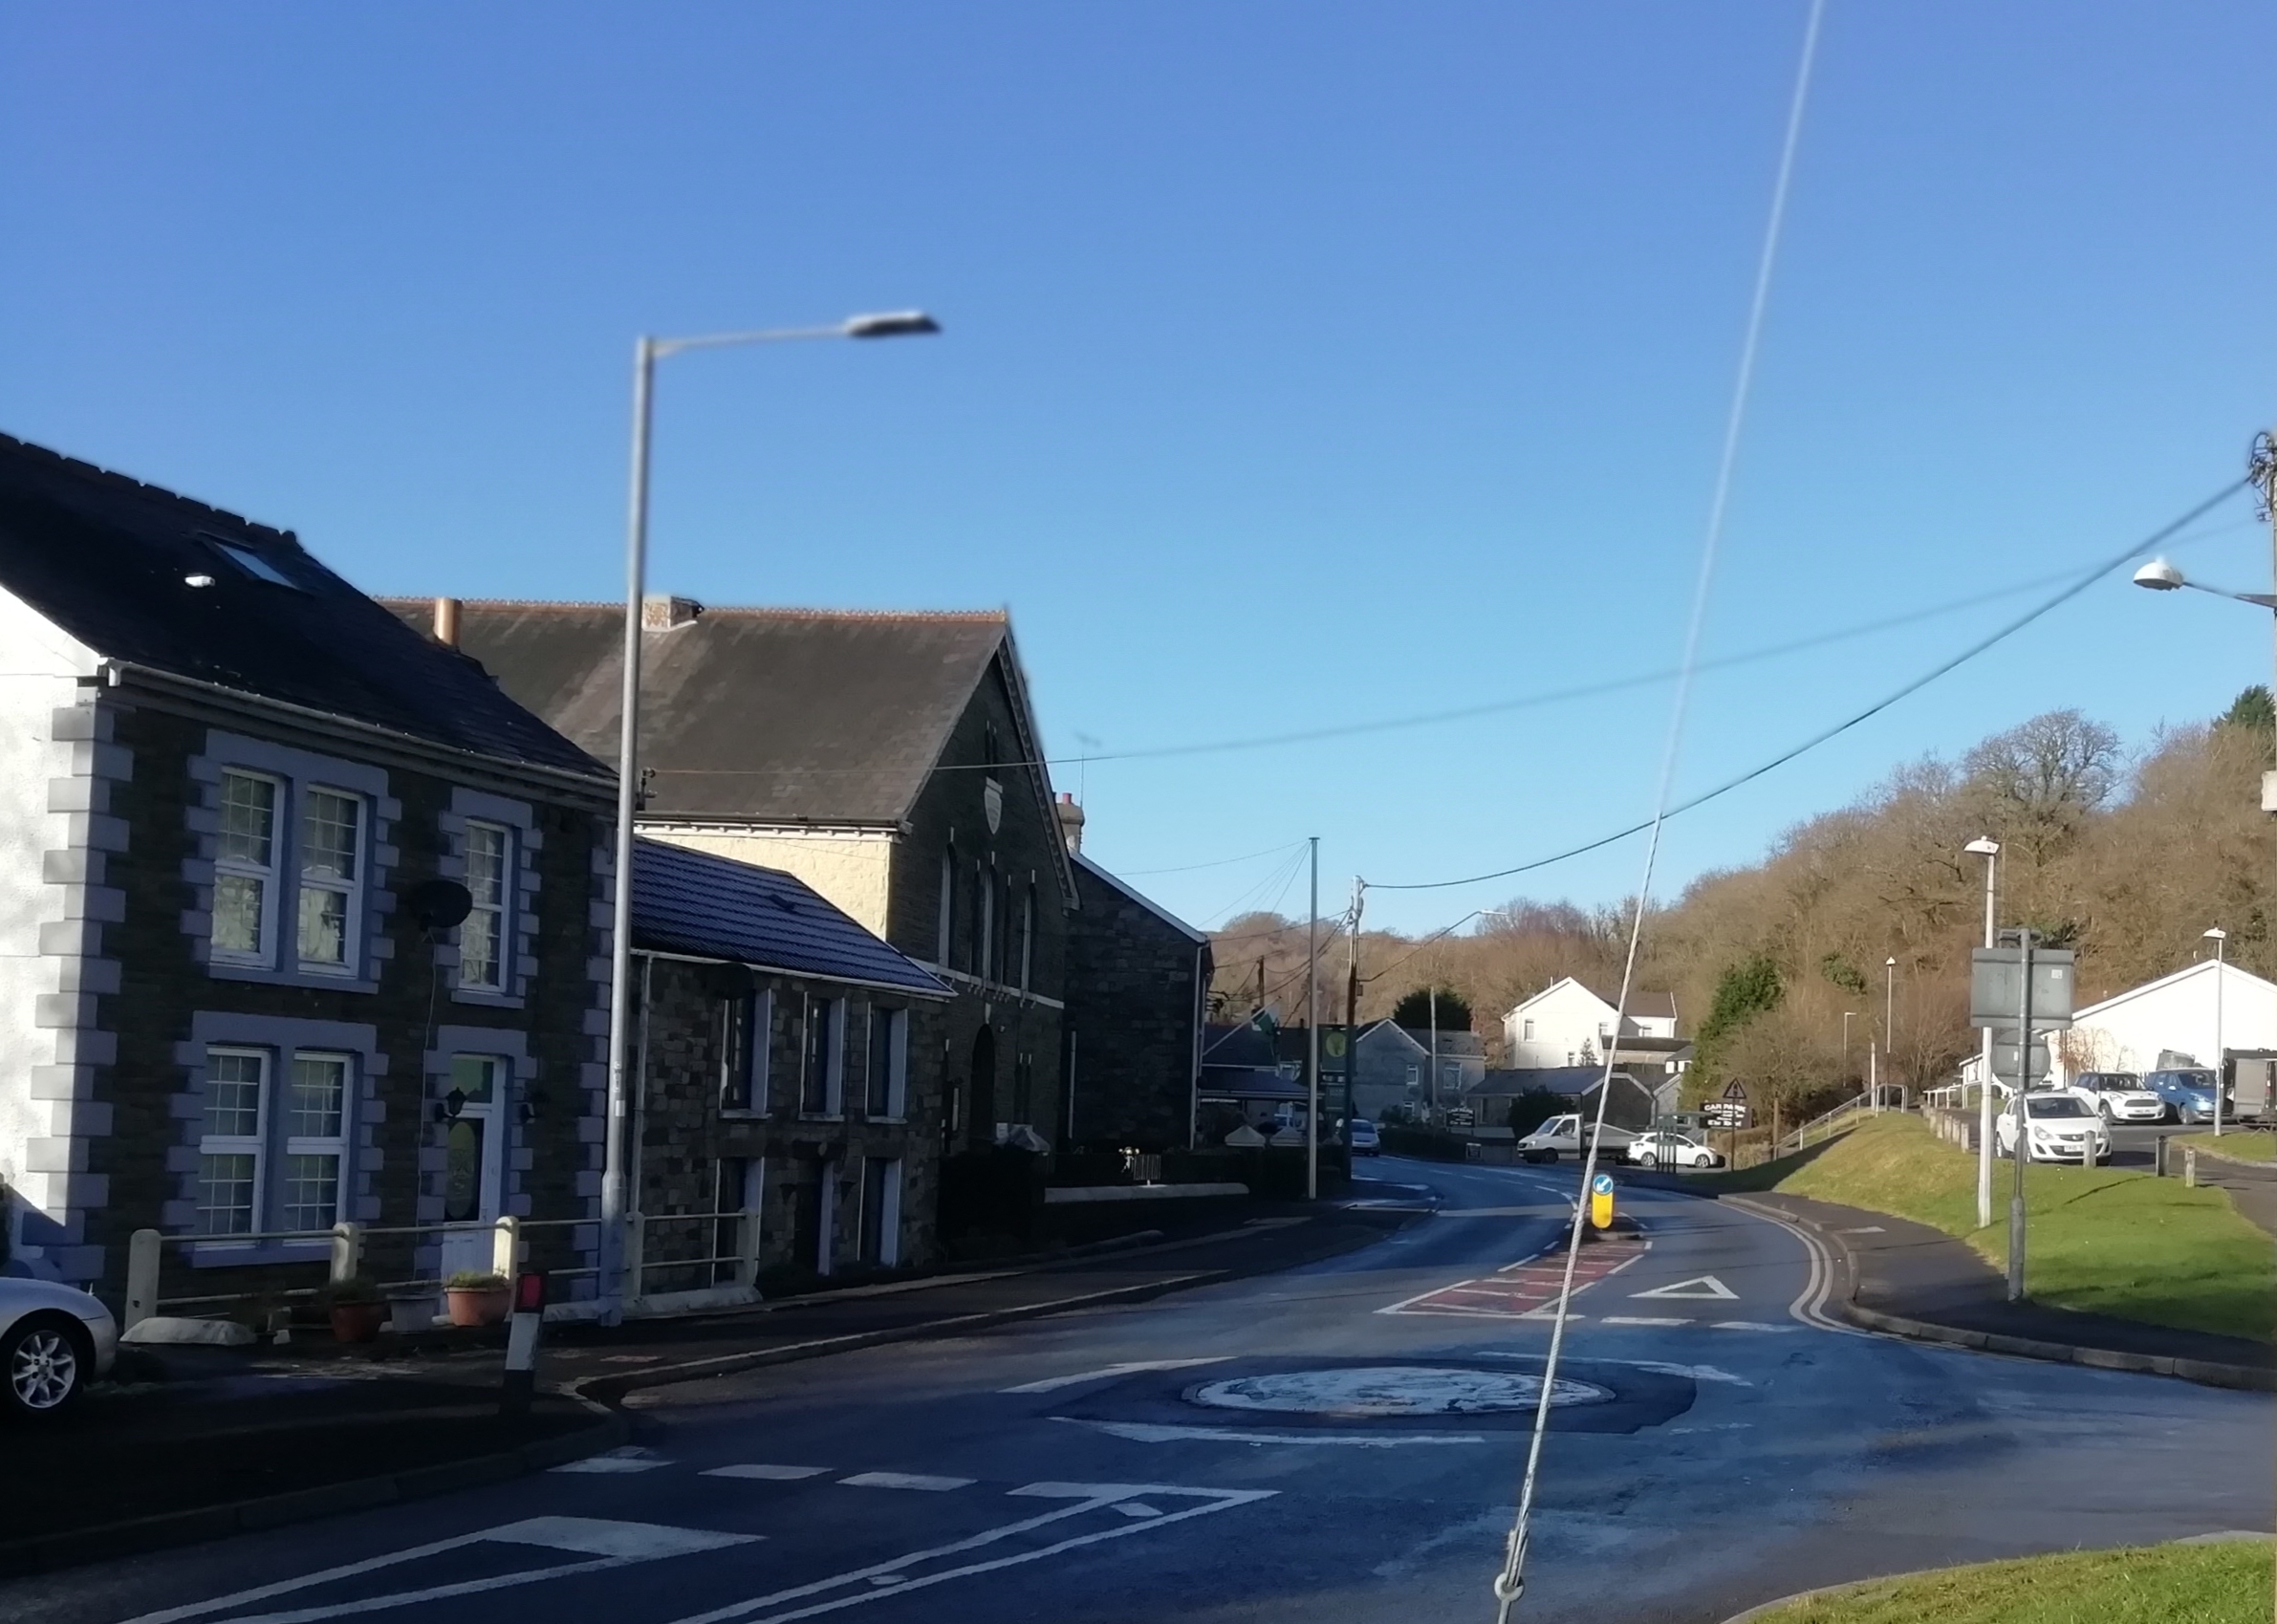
column 43, row 1369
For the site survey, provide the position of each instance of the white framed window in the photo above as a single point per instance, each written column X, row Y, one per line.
column 331, row 879
column 230, row 1142
column 484, row 935
column 745, row 1024
column 244, row 868
column 315, row 1140
column 1528, row 1035
column 887, row 1079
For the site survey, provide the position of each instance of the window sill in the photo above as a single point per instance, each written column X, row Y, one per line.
column 823, row 1116
column 488, row 998
column 223, row 969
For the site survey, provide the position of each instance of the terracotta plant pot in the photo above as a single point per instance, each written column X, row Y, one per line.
column 357, row 1322
column 479, row 1305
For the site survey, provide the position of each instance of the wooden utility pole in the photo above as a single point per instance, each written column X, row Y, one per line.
column 1352, row 994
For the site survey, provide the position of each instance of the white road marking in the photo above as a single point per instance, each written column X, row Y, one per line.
column 1052, row 1383
column 630, row 1459
column 1643, row 1319
column 1212, row 1501
column 905, row 1479
column 1136, row 1508
column 1151, row 1432
column 1866, row 1230
column 1549, row 1313
column 610, row 1544
column 1749, row 1325
column 769, row 1474
column 1700, row 1285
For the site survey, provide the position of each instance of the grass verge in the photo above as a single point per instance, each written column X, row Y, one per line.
column 2204, row 1584
column 2239, row 1145
column 2102, row 1239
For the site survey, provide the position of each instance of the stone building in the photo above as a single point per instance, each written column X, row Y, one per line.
column 1392, row 1069
column 298, row 912
column 1137, row 989
column 890, row 761
column 785, row 1062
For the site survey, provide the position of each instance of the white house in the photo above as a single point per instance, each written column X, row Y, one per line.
column 1568, row 1025
column 2182, row 1013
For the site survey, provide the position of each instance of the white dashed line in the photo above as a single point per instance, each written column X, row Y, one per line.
column 630, row 1459
column 769, row 1474
column 905, row 1479
column 1642, row 1319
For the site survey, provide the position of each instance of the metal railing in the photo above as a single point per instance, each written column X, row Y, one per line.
column 1826, row 1123
column 344, row 1245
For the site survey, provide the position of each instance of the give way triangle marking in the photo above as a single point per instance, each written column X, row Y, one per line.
column 1705, row 1286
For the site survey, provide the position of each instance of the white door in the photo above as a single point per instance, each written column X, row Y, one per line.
column 474, row 1159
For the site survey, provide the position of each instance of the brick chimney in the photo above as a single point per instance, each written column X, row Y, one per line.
column 663, row 613
column 1071, row 823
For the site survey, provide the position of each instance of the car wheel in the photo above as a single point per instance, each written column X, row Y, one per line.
column 1648, row 1159
column 45, row 1362
column 1705, row 1159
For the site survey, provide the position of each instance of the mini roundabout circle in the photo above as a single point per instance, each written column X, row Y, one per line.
column 1391, row 1391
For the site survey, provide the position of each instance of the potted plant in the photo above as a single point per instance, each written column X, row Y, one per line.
column 356, row 1308
column 478, row 1297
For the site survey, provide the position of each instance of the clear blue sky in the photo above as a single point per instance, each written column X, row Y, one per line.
column 1305, row 362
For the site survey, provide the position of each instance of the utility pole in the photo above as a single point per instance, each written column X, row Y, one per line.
column 2262, row 472
column 1313, row 1034
column 1257, row 1005
column 1986, row 847
column 2218, row 937
column 1431, row 1085
column 1352, row 996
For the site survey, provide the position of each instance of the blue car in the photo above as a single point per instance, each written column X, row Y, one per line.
column 2188, row 1093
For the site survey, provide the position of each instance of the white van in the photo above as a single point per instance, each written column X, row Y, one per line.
column 1561, row 1136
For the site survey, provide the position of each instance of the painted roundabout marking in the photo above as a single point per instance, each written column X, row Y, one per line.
column 1392, row 1391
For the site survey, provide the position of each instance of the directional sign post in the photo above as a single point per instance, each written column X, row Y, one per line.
column 1600, row 1202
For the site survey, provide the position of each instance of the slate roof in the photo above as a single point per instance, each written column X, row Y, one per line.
column 106, row 558
column 780, row 716
column 713, row 907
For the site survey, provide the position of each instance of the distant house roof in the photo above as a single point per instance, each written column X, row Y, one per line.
column 713, row 907
column 2231, row 977
column 1642, row 1006
column 1236, row 1044
column 1087, row 866
column 780, row 716
column 110, row 561
column 1507, row 1082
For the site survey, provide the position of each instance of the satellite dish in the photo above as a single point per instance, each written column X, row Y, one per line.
column 439, row 904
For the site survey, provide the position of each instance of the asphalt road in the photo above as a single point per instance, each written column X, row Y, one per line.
column 1723, row 1447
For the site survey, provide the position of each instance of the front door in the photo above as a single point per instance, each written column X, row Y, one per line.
column 474, row 1155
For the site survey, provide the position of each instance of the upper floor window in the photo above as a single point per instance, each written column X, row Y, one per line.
column 945, row 930
column 744, row 1025
column 1528, row 1036
column 984, row 923
column 483, row 937
column 331, row 879
column 822, row 1076
column 887, row 1079
column 244, row 868
column 1028, row 939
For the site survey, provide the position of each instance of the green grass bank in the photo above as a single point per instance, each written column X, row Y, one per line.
column 2165, row 1584
column 2099, row 1239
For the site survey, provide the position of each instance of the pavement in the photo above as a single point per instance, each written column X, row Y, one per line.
column 1336, row 1441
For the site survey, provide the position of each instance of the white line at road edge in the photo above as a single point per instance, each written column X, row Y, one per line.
column 1154, row 1432
column 1052, row 1383
column 891, row 1573
column 1810, row 1306
column 618, row 1544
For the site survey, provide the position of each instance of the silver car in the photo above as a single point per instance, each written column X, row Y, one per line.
column 54, row 1339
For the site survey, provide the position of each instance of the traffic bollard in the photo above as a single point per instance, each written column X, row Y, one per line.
column 522, row 1334
column 2190, row 1166
column 2159, row 1156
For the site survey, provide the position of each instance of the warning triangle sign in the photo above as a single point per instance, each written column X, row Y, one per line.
column 1705, row 1286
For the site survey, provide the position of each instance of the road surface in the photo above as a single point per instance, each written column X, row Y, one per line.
column 1330, row 1443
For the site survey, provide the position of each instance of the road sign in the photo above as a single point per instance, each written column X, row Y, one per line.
column 1725, row 1114
column 1736, row 1089
column 2003, row 1057
column 1996, row 986
column 1600, row 1200
column 1601, row 1184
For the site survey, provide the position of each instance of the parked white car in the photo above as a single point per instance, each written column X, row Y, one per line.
column 1672, row 1150
column 2061, row 1125
column 54, row 1339
column 2120, row 1096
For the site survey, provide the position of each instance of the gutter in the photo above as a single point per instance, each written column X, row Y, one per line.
column 944, row 996
column 119, row 673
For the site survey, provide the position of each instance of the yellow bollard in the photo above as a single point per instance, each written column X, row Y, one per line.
column 1600, row 1202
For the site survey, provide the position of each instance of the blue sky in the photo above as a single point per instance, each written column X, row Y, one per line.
column 1306, row 363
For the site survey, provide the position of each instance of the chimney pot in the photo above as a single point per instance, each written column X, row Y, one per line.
column 1071, row 823
column 447, row 621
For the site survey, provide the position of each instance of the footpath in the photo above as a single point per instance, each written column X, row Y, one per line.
column 195, row 1443
column 1908, row 1280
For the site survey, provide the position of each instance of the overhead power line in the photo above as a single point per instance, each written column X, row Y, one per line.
column 2132, row 549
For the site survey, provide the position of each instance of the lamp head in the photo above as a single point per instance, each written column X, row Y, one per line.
column 1983, row 846
column 2160, row 576
column 891, row 324
column 2217, row 934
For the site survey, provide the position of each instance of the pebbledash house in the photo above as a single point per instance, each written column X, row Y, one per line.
column 302, row 921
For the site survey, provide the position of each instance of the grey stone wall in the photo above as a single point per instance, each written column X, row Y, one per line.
column 1133, row 1007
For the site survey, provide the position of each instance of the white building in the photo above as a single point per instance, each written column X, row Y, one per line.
column 1568, row 1025
column 2178, row 1013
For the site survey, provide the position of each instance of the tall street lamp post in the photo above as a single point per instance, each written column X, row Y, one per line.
column 646, row 352
column 1989, row 849
column 2218, row 937
column 1889, row 1019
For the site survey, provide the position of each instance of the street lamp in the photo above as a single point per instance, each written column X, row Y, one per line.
column 2160, row 575
column 891, row 324
column 1889, row 1017
column 1986, row 847
column 2218, row 937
